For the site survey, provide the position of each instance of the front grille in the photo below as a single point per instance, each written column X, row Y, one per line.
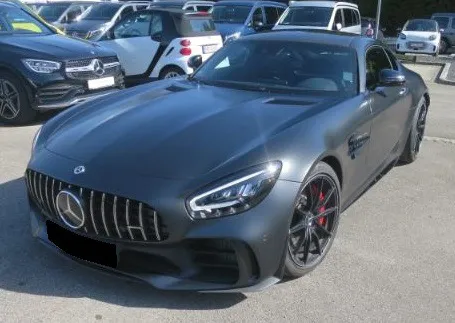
column 87, row 61
column 109, row 216
column 58, row 92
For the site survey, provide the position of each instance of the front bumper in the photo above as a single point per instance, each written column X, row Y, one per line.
column 417, row 47
column 243, row 252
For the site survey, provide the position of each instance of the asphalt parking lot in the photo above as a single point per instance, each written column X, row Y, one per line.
column 393, row 259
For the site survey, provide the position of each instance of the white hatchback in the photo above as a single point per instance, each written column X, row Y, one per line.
column 325, row 15
column 419, row 36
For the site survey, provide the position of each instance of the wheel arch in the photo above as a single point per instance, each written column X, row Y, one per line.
column 335, row 164
column 168, row 66
column 24, row 82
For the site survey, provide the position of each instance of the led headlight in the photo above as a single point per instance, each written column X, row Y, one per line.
column 432, row 37
column 235, row 194
column 402, row 36
column 41, row 66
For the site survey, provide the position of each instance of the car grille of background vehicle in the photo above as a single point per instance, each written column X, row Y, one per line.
column 106, row 215
column 111, row 68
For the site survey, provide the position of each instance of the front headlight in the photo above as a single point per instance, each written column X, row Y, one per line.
column 402, row 36
column 35, row 139
column 433, row 37
column 235, row 194
column 41, row 66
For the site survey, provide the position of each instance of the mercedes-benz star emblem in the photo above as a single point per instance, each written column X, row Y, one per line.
column 98, row 67
column 70, row 209
column 79, row 170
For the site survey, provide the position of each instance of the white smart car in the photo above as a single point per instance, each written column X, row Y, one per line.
column 419, row 36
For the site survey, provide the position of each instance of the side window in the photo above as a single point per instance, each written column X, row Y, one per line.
column 125, row 12
column 141, row 7
column 376, row 61
column 271, row 15
column 348, row 17
column 135, row 25
column 338, row 19
column 443, row 22
column 357, row 17
column 453, row 23
column 392, row 58
column 280, row 11
column 157, row 25
column 257, row 16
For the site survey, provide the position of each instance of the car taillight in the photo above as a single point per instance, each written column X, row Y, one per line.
column 370, row 32
column 185, row 42
column 185, row 51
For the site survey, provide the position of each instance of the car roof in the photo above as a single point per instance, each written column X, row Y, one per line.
column 329, row 4
column 341, row 39
column 248, row 2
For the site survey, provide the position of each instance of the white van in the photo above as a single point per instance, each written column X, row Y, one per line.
column 325, row 15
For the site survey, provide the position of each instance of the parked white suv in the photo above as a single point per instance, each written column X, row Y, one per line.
column 326, row 15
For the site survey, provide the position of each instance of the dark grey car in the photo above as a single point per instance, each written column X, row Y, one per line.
column 234, row 177
column 446, row 22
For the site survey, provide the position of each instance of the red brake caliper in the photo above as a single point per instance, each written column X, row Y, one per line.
column 322, row 220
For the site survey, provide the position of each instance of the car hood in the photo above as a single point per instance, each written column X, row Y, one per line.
column 58, row 46
column 174, row 130
column 84, row 25
column 228, row 29
column 419, row 35
column 282, row 27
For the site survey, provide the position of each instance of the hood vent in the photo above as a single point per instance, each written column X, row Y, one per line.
column 282, row 101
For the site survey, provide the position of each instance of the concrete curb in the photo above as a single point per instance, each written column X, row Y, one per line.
column 443, row 76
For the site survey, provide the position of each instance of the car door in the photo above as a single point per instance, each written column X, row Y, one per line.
column 390, row 107
column 132, row 40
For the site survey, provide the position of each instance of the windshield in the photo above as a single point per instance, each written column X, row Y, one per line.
column 102, row 11
column 52, row 12
column 17, row 21
column 231, row 14
column 421, row 25
column 307, row 16
column 282, row 66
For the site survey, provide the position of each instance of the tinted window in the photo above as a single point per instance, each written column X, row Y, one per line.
column 349, row 17
column 442, row 21
column 376, row 61
column 338, row 20
column 230, row 14
column 126, row 11
column 52, row 12
column 18, row 21
column 368, row 23
column 257, row 15
column 421, row 25
column 201, row 25
column 203, row 8
column 392, row 59
column 357, row 17
column 307, row 16
column 102, row 11
column 280, row 11
column 283, row 66
column 136, row 25
column 271, row 15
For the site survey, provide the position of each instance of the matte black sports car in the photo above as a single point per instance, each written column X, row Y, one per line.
column 234, row 177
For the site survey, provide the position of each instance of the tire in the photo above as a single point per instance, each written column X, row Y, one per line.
column 416, row 134
column 311, row 224
column 171, row 72
column 443, row 47
column 15, row 106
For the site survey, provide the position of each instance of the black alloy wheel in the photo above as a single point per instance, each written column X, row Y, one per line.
column 9, row 100
column 314, row 222
column 416, row 135
column 420, row 128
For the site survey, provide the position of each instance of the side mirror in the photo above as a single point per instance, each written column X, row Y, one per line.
column 441, row 30
column 339, row 26
column 389, row 77
column 195, row 61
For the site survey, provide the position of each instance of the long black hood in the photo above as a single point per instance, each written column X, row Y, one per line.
column 175, row 132
column 53, row 46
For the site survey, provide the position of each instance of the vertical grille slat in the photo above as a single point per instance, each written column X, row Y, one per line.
column 103, row 216
column 114, row 214
column 92, row 194
column 111, row 216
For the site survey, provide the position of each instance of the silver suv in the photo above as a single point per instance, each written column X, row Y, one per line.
column 446, row 22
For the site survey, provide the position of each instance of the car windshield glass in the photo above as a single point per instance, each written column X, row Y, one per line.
column 52, row 12
column 282, row 66
column 307, row 16
column 230, row 14
column 421, row 25
column 199, row 25
column 17, row 21
column 102, row 11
